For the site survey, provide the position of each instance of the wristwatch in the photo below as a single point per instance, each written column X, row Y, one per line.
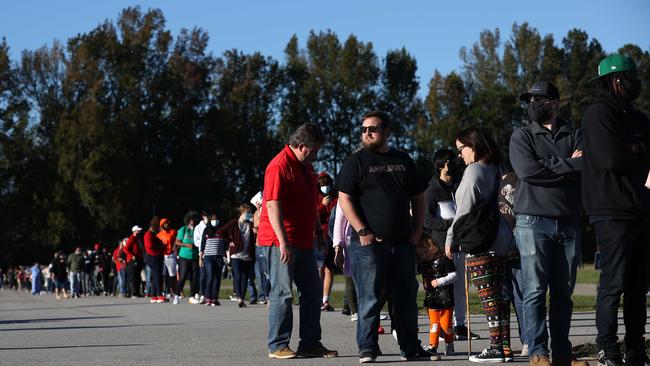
column 363, row 232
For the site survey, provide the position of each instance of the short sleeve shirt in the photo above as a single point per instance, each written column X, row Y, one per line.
column 382, row 185
column 186, row 236
column 293, row 184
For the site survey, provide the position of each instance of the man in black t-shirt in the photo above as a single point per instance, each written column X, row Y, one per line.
column 378, row 188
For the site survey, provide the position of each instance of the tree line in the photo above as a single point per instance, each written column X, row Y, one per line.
column 127, row 119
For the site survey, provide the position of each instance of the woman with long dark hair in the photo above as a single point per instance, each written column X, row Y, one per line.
column 479, row 230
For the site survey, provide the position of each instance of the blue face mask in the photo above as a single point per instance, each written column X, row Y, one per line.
column 248, row 217
column 214, row 222
column 326, row 189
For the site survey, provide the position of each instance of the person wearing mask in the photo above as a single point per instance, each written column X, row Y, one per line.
column 287, row 224
column 188, row 258
column 168, row 237
column 378, row 187
column 132, row 250
column 615, row 168
column 327, row 198
column 239, row 232
column 76, row 264
column 155, row 259
column 198, row 235
column 213, row 248
column 479, row 230
column 546, row 155
column 440, row 208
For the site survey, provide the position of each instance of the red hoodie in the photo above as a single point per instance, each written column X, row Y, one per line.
column 153, row 245
column 131, row 249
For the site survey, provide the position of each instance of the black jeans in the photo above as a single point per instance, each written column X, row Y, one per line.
column 624, row 252
column 188, row 269
column 133, row 269
column 155, row 263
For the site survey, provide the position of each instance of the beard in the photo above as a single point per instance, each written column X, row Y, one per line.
column 375, row 145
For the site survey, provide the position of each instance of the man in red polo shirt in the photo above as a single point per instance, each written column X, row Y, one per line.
column 286, row 232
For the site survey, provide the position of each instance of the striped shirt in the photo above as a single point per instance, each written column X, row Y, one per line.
column 213, row 243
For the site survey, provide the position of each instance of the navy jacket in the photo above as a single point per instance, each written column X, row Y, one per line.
column 549, row 179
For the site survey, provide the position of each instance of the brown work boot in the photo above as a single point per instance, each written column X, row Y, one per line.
column 283, row 353
column 540, row 360
column 317, row 351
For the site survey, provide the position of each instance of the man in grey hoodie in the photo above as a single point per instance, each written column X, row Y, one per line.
column 547, row 157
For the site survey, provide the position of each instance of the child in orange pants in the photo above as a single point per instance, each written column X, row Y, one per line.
column 438, row 274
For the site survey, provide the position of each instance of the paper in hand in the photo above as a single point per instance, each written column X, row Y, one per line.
column 447, row 209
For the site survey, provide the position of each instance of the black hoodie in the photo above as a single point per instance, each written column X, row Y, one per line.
column 437, row 192
column 616, row 159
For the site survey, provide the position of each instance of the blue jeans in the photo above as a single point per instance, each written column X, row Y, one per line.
column 213, row 265
column 262, row 273
column 241, row 271
column 550, row 254
column 203, row 280
column 121, row 281
column 302, row 269
column 75, row 283
column 147, row 274
column 375, row 266
column 515, row 294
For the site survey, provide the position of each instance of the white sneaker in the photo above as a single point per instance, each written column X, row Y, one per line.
column 383, row 317
column 202, row 299
column 194, row 300
column 394, row 333
column 234, row 298
column 354, row 317
column 175, row 301
column 524, row 351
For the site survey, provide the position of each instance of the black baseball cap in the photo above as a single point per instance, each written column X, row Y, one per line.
column 541, row 88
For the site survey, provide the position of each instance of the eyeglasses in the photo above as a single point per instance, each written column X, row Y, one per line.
column 460, row 149
column 539, row 98
column 370, row 129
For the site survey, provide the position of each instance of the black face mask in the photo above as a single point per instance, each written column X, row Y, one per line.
column 632, row 88
column 456, row 169
column 540, row 111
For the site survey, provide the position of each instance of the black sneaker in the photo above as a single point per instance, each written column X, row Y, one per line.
column 346, row 310
column 420, row 355
column 605, row 360
column 489, row 355
column 367, row 357
column 461, row 333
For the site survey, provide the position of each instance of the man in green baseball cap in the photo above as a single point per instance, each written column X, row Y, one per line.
column 616, row 162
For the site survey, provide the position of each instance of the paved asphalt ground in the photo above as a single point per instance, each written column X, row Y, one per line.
column 40, row 330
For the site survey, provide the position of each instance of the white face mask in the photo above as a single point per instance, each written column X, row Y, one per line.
column 214, row 222
column 326, row 189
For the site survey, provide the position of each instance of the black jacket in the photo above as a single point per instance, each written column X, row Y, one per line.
column 549, row 179
column 435, row 193
column 616, row 159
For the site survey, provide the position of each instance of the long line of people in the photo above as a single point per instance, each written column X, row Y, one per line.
column 514, row 232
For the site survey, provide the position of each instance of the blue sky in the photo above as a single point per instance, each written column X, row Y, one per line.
column 432, row 31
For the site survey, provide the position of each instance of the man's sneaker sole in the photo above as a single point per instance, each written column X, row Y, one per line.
column 282, row 357
column 368, row 359
column 487, row 360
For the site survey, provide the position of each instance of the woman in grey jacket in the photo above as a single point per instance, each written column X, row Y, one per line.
column 486, row 261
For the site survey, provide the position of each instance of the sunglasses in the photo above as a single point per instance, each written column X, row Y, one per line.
column 370, row 129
